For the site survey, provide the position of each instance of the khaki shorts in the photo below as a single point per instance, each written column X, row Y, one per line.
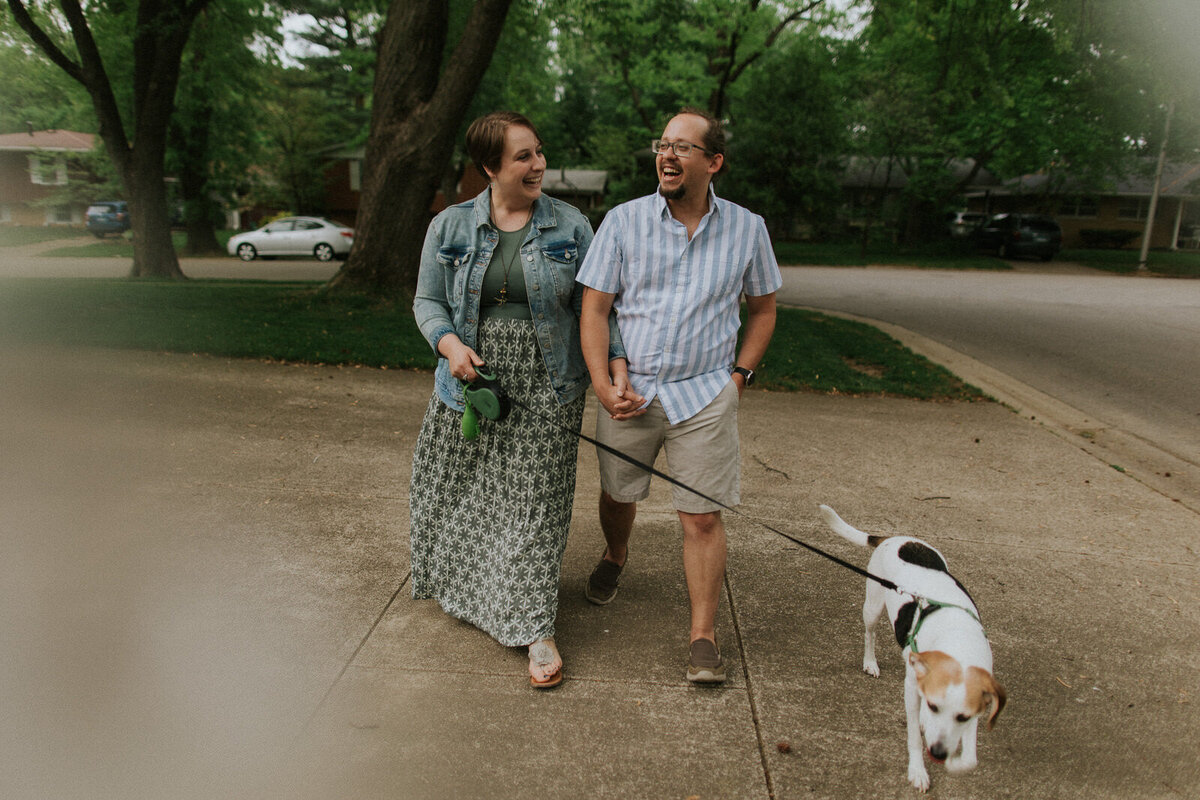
column 702, row 452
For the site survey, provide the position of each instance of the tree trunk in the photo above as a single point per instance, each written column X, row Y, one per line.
column 198, row 208
column 159, row 37
column 192, row 142
column 153, row 251
column 415, row 117
column 404, row 170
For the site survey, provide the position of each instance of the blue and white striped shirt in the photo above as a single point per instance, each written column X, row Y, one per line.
column 678, row 301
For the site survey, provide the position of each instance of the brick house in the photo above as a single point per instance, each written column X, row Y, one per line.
column 35, row 165
column 1121, row 207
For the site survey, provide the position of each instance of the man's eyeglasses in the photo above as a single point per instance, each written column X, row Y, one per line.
column 681, row 149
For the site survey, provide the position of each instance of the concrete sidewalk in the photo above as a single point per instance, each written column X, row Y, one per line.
column 204, row 593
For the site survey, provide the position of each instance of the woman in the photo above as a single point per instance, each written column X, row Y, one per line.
column 497, row 287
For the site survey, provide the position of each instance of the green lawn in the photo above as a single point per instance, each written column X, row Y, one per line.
column 1181, row 263
column 298, row 323
column 18, row 235
column 121, row 246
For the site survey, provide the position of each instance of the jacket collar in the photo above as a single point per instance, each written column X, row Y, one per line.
column 543, row 211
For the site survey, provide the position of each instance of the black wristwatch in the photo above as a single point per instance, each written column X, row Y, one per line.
column 748, row 374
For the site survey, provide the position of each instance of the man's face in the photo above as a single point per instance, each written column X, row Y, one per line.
column 684, row 177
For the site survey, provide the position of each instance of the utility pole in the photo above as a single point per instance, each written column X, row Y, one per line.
column 1162, row 157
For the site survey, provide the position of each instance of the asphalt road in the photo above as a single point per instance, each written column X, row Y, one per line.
column 1124, row 350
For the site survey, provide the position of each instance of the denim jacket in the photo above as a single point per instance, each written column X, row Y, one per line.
column 458, row 248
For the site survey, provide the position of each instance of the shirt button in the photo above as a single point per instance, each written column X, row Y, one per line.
column 529, row 258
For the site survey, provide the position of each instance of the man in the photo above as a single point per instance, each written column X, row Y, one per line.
column 674, row 265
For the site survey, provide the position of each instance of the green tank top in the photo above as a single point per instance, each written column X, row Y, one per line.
column 507, row 255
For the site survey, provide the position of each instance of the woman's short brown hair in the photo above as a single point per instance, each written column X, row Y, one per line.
column 485, row 138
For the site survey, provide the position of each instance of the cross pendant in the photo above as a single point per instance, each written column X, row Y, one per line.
column 502, row 298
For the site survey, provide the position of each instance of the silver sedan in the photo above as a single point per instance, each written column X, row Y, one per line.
column 294, row 236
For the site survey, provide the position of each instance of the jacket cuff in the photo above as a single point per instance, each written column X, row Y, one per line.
column 436, row 337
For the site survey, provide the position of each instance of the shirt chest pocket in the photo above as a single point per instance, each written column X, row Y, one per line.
column 562, row 262
column 721, row 278
column 454, row 260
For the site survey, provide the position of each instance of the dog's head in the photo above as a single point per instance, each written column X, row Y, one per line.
column 951, row 698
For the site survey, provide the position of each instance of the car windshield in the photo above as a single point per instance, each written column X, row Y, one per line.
column 99, row 209
column 1044, row 225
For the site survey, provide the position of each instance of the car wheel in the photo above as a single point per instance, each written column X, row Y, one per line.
column 1047, row 256
column 323, row 252
column 98, row 234
column 246, row 252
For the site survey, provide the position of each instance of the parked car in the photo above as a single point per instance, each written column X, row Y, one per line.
column 107, row 216
column 294, row 236
column 1014, row 235
column 960, row 224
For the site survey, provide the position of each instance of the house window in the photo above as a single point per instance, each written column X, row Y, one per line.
column 44, row 172
column 1133, row 208
column 1078, row 207
column 59, row 215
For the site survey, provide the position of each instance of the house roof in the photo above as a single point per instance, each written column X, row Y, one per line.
column 575, row 181
column 1178, row 180
column 862, row 172
column 68, row 141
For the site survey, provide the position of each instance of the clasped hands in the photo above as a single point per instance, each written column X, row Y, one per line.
column 618, row 397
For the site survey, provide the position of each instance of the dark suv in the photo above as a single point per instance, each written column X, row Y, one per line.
column 108, row 216
column 1013, row 235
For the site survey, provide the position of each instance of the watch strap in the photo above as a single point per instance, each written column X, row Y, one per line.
column 748, row 374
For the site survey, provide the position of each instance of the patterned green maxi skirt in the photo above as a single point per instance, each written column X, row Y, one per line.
column 490, row 516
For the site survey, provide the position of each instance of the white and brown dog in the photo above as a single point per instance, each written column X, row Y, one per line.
column 948, row 683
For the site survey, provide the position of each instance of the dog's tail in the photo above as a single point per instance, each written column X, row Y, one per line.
column 848, row 531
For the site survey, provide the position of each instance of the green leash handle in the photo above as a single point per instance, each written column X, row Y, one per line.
column 485, row 396
column 470, row 423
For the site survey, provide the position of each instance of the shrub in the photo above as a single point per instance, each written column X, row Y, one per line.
column 1107, row 239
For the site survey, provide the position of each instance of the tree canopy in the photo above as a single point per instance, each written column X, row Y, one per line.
column 940, row 89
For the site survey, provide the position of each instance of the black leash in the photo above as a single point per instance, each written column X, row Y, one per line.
column 658, row 473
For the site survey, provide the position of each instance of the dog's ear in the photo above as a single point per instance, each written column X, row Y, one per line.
column 917, row 662
column 997, row 698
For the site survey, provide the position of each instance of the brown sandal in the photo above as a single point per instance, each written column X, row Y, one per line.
column 543, row 653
